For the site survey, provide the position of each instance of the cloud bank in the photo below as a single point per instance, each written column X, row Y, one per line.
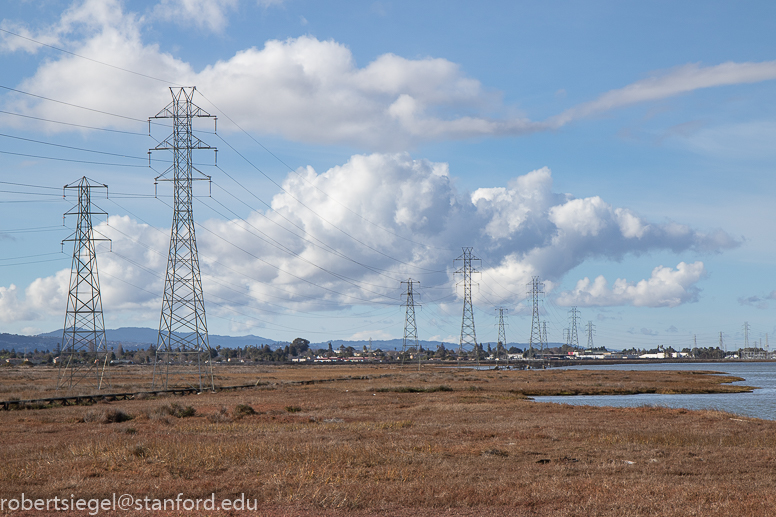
column 302, row 88
column 388, row 217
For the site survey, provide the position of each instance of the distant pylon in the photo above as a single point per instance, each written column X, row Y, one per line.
column 590, row 332
column 544, row 334
column 746, row 334
column 84, row 351
column 183, row 345
column 501, row 347
column 410, row 327
column 573, row 335
column 536, row 331
column 721, row 345
column 468, row 334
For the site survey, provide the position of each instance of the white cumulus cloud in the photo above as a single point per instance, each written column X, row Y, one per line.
column 667, row 287
column 207, row 14
column 349, row 235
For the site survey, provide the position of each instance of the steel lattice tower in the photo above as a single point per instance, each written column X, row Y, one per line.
column 590, row 332
column 84, row 354
column 544, row 334
column 573, row 335
column 468, row 334
column 410, row 327
column 502, row 335
column 537, row 288
column 183, row 343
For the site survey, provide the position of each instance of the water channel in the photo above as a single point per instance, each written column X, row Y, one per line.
column 759, row 404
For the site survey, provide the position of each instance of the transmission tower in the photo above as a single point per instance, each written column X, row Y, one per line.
column 544, row 334
column 468, row 334
column 501, row 347
column 536, row 331
column 410, row 328
column 84, row 352
column 721, row 345
column 574, row 317
column 590, row 332
column 183, row 346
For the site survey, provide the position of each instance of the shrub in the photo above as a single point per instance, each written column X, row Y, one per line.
column 220, row 417
column 107, row 416
column 293, row 409
column 241, row 410
column 173, row 409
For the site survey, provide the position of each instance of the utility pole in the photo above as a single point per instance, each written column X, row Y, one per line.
column 468, row 334
column 537, row 288
column 502, row 335
column 574, row 317
column 410, row 327
column 590, row 332
column 84, row 352
column 183, row 338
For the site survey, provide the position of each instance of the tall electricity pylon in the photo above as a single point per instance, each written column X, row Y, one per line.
column 501, row 347
column 590, row 332
column 468, row 334
column 84, row 355
column 537, row 288
column 573, row 335
column 183, row 345
column 410, row 327
column 544, row 334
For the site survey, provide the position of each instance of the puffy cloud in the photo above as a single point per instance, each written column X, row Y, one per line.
column 645, row 331
column 12, row 309
column 667, row 287
column 754, row 301
column 208, row 14
column 347, row 237
column 301, row 88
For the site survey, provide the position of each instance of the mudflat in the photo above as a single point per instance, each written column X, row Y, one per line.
column 380, row 440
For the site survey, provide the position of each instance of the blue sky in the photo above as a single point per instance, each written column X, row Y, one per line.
column 622, row 152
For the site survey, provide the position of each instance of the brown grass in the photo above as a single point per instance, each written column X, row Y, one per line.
column 368, row 446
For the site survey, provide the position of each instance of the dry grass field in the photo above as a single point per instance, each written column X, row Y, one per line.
column 367, row 440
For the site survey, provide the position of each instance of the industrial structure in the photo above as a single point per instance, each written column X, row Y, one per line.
column 410, row 327
column 468, row 333
column 84, row 353
column 183, row 355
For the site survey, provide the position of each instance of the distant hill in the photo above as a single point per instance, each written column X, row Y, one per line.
column 142, row 337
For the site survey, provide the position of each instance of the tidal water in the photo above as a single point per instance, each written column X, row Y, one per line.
column 759, row 404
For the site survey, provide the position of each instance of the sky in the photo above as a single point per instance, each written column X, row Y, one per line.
column 621, row 152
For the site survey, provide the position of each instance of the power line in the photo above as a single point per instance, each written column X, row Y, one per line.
column 72, row 161
column 88, row 58
column 71, row 104
column 73, row 125
column 72, row 147
column 305, row 180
